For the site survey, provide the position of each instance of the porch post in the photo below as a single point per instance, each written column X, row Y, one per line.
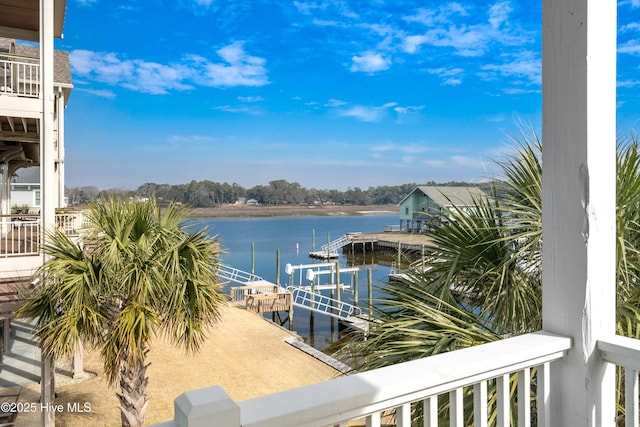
column 47, row 175
column 579, row 187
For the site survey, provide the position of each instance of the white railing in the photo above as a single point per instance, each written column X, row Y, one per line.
column 336, row 244
column 19, row 76
column 322, row 304
column 393, row 392
column 232, row 274
column 72, row 223
column 625, row 352
column 20, row 233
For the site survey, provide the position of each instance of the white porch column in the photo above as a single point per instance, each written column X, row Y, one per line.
column 47, row 175
column 59, row 160
column 579, row 146
column 5, row 189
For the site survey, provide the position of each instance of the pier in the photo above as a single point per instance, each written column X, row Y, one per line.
column 375, row 242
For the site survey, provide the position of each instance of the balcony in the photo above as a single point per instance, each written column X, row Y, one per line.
column 20, row 234
column 19, row 76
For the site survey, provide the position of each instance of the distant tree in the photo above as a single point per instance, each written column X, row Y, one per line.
column 356, row 196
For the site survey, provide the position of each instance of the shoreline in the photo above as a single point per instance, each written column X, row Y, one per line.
column 256, row 211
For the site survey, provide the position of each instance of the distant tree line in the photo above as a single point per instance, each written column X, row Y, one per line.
column 202, row 194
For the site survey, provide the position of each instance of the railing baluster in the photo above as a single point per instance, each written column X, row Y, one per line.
column 456, row 408
column 480, row 404
column 403, row 415
column 631, row 397
column 373, row 420
column 524, row 398
column 502, row 390
column 543, row 387
column 430, row 408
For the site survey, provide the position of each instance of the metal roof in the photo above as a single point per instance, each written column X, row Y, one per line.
column 450, row 196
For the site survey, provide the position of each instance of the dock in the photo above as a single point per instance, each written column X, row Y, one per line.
column 388, row 241
column 375, row 242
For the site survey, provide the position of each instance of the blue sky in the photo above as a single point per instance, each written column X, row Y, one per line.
column 328, row 93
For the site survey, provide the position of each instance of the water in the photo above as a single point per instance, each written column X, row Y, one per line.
column 293, row 236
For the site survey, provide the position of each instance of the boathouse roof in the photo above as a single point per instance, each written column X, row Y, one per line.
column 448, row 195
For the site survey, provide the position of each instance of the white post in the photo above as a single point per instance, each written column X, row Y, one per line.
column 579, row 195
column 47, row 181
column 206, row 407
column 59, row 161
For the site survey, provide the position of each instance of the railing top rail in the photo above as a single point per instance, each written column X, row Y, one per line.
column 342, row 399
column 11, row 57
column 621, row 351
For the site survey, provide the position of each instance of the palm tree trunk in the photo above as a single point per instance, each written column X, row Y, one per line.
column 133, row 395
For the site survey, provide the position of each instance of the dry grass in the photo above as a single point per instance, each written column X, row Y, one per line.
column 245, row 354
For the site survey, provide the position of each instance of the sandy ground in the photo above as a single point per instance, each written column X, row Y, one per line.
column 291, row 210
column 245, row 354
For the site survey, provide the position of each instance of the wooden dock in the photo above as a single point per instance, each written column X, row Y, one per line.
column 262, row 298
column 388, row 241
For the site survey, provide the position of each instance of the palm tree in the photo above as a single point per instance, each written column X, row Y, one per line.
column 139, row 274
column 485, row 277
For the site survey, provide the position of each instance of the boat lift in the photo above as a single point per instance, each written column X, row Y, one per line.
column 290, row 269
column 312, row 274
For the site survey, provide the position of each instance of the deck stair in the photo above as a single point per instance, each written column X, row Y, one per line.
column 319, row 303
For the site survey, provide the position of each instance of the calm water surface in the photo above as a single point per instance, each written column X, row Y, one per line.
column 294, row 237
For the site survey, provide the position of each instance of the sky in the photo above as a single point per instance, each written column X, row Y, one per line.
column 332, row 94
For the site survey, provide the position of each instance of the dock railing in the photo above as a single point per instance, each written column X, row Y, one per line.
column 368, row 397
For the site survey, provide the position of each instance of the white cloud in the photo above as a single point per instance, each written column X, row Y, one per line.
column 139, row 75
column 634, row 26
column 628, row 83
column 250, row 99
column 465, row 161
column 363, row 113
column 103, row 93
column 367, row 113
column 499, row 13
column 465, row 38
column 631, row 47
column 370, row 62
column 450, row 76
column 238, row 69
column 335, row 103
column 527, row 65
column 306, row 8
column 237, row 110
